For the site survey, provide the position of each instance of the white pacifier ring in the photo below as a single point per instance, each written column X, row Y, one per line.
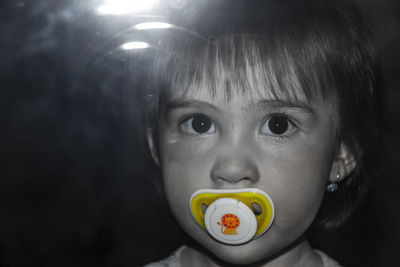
column 230, row 221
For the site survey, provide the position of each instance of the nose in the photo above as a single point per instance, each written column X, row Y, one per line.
column 235, row 168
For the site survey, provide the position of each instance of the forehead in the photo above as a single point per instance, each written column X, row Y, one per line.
column 200, row 97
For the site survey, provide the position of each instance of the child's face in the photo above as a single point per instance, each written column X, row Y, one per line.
column 282, row 148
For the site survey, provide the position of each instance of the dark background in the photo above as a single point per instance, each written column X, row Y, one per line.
column 73, row 182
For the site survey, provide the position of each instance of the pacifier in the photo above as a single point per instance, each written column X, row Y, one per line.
column 232, row 216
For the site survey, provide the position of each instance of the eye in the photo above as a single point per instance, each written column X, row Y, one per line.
column 198, row 124
column 277, row 125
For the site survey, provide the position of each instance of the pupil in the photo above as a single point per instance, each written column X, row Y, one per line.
column 278, row 125
column 201, row 124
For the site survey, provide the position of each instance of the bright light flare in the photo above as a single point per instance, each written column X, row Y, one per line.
column 134, row 45
column 123, row 7
column 152, row 25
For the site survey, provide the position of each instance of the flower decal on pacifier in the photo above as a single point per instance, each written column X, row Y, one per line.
column 230, row 222
column 233, row 216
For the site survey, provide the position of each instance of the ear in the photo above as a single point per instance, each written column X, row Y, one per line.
column 152, row 145
column 343, row 165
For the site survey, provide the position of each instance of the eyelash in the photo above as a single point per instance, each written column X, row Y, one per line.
column 186, row 118
column 289, row 120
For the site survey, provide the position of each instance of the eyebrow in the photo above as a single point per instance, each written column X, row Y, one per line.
column 177, row 103
column 275, row 103
column 278, row 103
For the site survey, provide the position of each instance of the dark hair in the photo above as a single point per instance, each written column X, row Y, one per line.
column 322, row 49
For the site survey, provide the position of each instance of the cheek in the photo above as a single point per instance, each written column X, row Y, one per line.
column 298, row 186
column 185, row 161
column 185, row 169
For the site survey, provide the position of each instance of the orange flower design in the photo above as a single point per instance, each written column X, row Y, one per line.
column 230, row 222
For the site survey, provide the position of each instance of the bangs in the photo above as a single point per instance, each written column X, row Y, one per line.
column 249, row 65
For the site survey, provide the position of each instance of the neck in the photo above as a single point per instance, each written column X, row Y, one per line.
column 298, row 254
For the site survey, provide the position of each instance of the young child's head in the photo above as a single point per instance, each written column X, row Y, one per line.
column 274, row 95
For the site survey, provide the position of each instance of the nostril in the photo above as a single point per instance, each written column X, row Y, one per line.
column 204, row 207
column 234, row 180
column 256, row 208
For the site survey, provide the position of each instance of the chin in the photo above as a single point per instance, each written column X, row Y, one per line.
column 248, row 253
column 236, row 256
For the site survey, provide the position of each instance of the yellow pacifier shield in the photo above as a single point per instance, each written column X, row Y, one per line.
column 240, row 204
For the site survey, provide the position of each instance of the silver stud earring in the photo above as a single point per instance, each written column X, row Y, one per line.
column 332, row 187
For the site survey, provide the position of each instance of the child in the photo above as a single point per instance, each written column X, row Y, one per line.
column 268, row 100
